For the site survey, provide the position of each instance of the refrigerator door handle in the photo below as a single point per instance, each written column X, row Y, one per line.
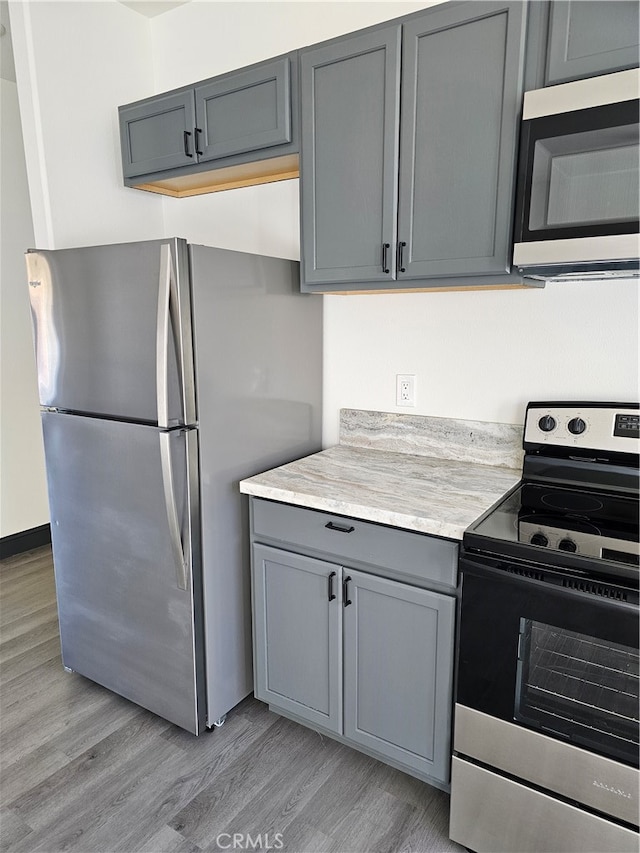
column 172, row 511
column 168, row 320
column 162, row 337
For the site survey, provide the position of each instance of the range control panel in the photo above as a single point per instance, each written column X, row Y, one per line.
column 579, row 542
column 585, row 426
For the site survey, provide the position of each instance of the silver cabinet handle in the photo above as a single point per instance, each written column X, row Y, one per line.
column 175, row 534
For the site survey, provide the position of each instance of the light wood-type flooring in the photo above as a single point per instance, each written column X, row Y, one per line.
column 85, row 770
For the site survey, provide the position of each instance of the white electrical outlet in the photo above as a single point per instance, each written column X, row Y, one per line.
column 405, row 389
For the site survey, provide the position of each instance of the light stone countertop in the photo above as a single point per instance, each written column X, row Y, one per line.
column 416, row 492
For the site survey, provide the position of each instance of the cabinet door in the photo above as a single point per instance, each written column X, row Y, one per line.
column 461, row 93
column 244, row 111
column 398, row 665
column 591, row 37
column 157, row 134
column 298, row 635
column 350, row 101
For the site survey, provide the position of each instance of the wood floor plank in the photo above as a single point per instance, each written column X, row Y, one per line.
column 26, row 640
column 31, row 596
column 20, row 562
column 24, row 774
column 288, row 792
column 106, row 718
column 12, row 829
column 335, row 800
column 214, row 808
column 9, row 630
column 39, row 692
column 428, row 829
column 215, row 752
column 62, row 791
column 51, row 721
column 377, row 821
column 82, row 822
column 25, row 661
column 166, row 840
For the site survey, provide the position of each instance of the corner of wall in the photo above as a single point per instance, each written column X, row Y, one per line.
column 30, row 117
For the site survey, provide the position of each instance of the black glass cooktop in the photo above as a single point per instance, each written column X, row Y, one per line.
column 559, row 525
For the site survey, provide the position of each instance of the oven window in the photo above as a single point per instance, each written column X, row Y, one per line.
column 585, row 178
column 577, row 686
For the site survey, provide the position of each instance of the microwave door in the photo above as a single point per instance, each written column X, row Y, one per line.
column 579, row 190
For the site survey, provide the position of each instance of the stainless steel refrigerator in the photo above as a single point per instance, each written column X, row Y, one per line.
column 167, row 372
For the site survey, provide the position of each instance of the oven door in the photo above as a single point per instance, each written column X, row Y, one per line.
column 551, row 653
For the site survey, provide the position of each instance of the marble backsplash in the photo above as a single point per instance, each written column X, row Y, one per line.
column 441, row 438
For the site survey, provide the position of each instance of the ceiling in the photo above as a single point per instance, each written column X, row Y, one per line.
column 151, row 8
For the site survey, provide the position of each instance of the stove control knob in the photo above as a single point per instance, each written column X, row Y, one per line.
column 547, row 423
column 576, row 426
column 539, row 539
column 567, row 545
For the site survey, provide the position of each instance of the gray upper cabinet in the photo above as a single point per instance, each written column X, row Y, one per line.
column 461, row 91
column 350, row 109
column 591, row 37
column 156, row 134
column 456, row 137
column 245, row 111
column 195, row 138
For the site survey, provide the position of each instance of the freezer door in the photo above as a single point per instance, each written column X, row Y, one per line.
column 124, row 521
column 112, row 328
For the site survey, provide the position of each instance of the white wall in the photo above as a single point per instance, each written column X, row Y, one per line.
column 483, row 354
column 476, row 354
column 23, row 495
column 75, row 63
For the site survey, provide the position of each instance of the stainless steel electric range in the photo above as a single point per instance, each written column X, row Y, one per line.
column 547, row 697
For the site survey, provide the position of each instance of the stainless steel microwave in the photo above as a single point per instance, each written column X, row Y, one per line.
column 578, row 199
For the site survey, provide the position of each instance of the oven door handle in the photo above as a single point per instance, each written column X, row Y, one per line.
column 565, row 584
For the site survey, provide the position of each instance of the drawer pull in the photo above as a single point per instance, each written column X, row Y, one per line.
column 345, row 591
column 338, row 528
column 332, row 594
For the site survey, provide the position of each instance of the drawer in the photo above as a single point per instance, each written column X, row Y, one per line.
column 402, row 553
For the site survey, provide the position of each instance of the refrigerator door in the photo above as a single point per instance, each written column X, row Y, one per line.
column 124, row 522
column 112, row 328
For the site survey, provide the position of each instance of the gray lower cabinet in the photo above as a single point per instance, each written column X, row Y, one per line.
column 409, row 150
column 361, row 656
column 298, row 635
column 591, row 37
column 398, row 665
column 223, row 121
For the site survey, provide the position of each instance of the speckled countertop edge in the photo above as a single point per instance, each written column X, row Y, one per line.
column 441, row 497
